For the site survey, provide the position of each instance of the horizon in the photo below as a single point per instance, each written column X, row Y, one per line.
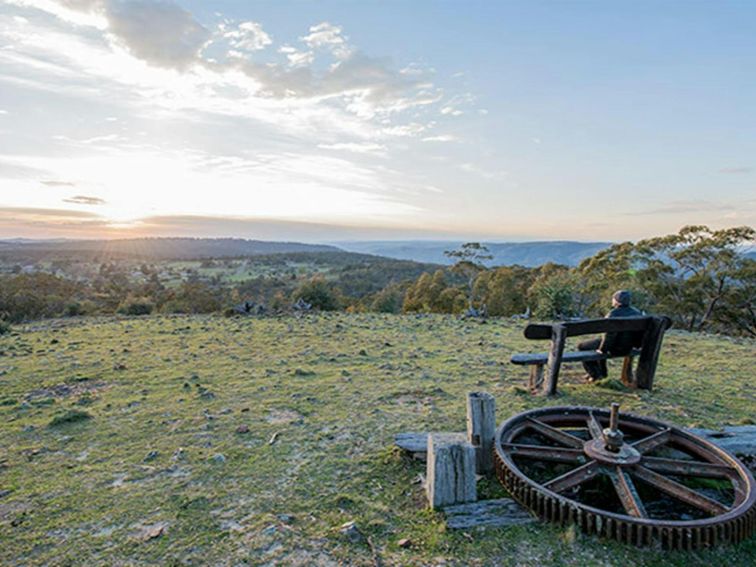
column 517, row 122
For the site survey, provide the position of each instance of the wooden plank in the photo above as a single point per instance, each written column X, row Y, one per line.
column 567, row 357
column 481, row 426
column 543, row 331
column 451, row 470
column 739, row 440
column 498, row 513
column 417, row 441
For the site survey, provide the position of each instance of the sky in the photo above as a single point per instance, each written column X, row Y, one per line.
column 321, row 121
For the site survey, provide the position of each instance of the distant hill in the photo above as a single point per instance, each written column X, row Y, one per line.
column 529, row 254
column 153, row 248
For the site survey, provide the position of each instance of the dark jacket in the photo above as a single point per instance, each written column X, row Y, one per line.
column 622, row 343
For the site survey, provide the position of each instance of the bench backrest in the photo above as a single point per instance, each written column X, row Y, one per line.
column 545, row 331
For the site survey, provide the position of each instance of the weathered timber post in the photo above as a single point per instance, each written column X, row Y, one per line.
column 558, row 339
column 481, row 426
column 628, row 379
column 451, row 470
column 649, row 357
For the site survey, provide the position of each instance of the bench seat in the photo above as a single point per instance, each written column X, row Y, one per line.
column 650, row 328
column 578, row 356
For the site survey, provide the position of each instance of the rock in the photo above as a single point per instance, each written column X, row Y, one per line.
column 119, row 366
column 179, row 454
column 151, row 456
column 286, row 518
column 152, row 532
column 404, row 543
column 218, row 458
column 270, row 530
column 243, row 429
column 362, row 352
column 350, row 531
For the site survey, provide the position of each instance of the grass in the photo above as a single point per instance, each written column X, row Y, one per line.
column 217, row 441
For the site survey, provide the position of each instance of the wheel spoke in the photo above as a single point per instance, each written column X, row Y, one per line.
column 679, row 491
column 556, row 434
column 682, row 467
column 573, row 478
column 627, row 494
column 552, row 454
column 594, row 427
column 651, row 442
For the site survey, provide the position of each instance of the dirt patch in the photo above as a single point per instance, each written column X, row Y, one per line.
column 65, row 390
column 284, row 416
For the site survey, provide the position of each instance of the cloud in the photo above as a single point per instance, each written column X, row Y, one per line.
column 328, row 36
column 39, row 213
column 161, row 33
column 360, row 148
column 84, row 200
column 56, row 183
column 686, row 207
column 440, row 138
column 247, row 36
column 296, row 57
column 736, row 170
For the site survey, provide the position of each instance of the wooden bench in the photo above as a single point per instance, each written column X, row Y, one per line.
column 653, row 329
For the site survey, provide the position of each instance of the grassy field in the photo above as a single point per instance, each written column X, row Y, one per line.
column 148, row 441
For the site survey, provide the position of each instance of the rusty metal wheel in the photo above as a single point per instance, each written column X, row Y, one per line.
column 630, row 478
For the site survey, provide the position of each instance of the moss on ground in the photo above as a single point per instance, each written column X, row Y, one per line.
column 250, row 441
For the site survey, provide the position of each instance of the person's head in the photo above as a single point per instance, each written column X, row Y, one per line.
column 621, row 298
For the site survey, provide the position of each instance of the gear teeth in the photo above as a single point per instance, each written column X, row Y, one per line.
column 564, row 511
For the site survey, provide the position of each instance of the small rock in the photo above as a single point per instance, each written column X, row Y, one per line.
column 350, row 531
column 179, row 455
column 404, row 543
column 218, row 458
column 151, row 456
column 119, row 366
column 286, row 518
column 243, row 429
column 152, row 532
column 362, row 352
column 270, row 530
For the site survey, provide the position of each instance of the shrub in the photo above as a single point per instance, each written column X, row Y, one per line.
column 4, row 327
column 136, row 306
column 318, row 293
column 71, row 416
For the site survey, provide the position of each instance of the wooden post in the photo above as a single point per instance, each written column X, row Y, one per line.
column 558, row 338
column 649, row 356
column 536, row 377
column 481, row 426
column 627, row 372
column 451, row 470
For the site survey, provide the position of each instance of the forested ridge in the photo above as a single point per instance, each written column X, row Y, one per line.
column 703, row 279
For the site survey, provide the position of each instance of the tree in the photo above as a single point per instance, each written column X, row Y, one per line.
column 692, row 273
column 469, row 263
column 318, row 293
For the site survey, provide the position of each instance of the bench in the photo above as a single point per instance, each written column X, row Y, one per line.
column 652, row 329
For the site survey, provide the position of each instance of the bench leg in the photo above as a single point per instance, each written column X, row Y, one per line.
column 627, row 372
column 536, row 378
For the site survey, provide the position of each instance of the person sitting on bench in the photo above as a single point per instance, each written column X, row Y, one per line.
column 617, row 344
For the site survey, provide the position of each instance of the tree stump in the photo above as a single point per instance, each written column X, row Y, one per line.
column 451, row 470
column 481, row 426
